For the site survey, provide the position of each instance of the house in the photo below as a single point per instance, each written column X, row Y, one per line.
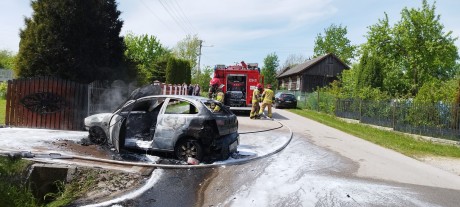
column 307, row 76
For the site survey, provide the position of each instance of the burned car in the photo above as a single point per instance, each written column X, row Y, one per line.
column 185, row 125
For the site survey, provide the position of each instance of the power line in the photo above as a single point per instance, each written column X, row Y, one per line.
column 185, row 16
column 153, row 13
column 177, row 15
column 173, row 17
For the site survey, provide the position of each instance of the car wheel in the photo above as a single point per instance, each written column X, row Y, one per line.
column 97, row 135
column 188, row 148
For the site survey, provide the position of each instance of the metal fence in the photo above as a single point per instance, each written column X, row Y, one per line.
column 438, row 120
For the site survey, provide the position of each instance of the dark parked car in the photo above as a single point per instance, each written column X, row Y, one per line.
column 285, row 100
column 184, row 125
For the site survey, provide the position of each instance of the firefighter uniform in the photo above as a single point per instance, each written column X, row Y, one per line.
column 219, row 97
column 268, row 96
column 256, row 98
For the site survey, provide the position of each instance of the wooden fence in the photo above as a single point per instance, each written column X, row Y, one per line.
column 53, row 103
column 46, row 102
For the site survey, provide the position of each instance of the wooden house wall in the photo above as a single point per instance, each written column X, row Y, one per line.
column 321, row 74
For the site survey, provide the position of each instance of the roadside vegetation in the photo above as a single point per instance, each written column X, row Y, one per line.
column 2, row 111
column 397, row 141
column 14, row 191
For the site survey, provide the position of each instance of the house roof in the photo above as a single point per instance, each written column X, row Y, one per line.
column 306, row 65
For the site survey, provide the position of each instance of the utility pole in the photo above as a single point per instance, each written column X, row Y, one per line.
column 199, row 54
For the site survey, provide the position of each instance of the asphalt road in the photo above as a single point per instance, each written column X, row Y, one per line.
column 320, row 167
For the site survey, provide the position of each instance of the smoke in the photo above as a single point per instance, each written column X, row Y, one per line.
column 107, row 98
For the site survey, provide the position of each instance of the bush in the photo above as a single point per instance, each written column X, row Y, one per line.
column 3, row 87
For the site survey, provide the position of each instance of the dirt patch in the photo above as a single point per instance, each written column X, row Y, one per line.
column 101, row 184
column 85, row 148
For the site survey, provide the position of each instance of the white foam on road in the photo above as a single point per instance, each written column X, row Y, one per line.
column 25, row 139
column 296, row 177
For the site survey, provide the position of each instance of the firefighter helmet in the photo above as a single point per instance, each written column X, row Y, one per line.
column 269, row 86
column 259, row 85
column 214, row 81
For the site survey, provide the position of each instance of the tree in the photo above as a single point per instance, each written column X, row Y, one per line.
column 293, row 60
column 202, row 78
column 425, row 51
column 178, row 71
column 6, row 59
column 77, row 40
column 370, row 72
column 334, row 41
column 271, row 64
column 415, row 51
column 149, row 55
column 188, row 49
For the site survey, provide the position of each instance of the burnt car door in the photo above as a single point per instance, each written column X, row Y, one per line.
column 116, row 123
column 136, row 121
column 173, row 122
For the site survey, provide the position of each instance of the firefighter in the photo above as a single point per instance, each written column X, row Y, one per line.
column 215, row 92
column 256, row 99
column 213, row 86
column 267, row 100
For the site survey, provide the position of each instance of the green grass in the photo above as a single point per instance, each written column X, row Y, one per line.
column 397, row 141
column 2, row 111
column 13, row 190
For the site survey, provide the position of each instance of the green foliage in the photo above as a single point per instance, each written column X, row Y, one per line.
column 427, row 52
column 347, row 84
column 188, row 49
column 149, row 56
column 68, row 192
column 2, row 111
column 202, row 78
column 178, row 71
column 13, row 191
column 76, row 40
column 437, row 91
column 335, row 41
column 7, row 59
column 414, row 51
column 432, row 105
column 3, row 88
column 271, row 64
column 370, row 72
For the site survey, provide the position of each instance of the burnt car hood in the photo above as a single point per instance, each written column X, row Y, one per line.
column 100, row 120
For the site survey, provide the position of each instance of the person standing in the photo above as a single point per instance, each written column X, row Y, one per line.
column 196, row 92
column 267, row 101
column 190, row 90
column 213, row 86
column 215, row 92
column 256, row 99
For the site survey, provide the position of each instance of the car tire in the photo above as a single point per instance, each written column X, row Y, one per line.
column 188, row 148
column 97, row 135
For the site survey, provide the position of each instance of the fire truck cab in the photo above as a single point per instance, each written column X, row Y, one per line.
column 239, row 81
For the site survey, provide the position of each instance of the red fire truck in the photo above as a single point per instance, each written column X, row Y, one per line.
column 239, row 81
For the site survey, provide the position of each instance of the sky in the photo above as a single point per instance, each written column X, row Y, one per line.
column 242, row 30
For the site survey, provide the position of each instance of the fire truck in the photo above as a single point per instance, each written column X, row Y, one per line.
column 239, row 82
